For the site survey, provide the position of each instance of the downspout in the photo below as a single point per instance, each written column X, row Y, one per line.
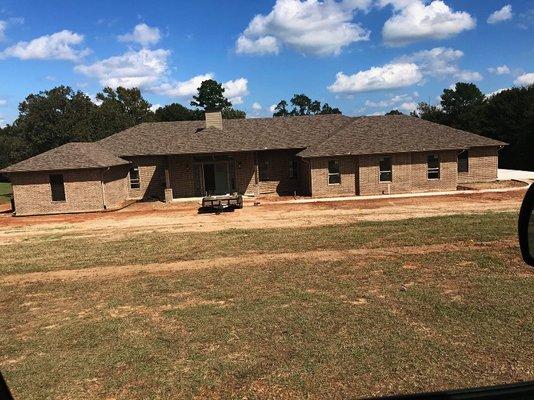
column 103, row 188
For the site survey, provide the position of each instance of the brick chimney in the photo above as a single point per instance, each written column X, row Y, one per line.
column 214, row 119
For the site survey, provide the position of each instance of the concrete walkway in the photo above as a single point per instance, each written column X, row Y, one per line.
column 396, row 196
column 509, row 174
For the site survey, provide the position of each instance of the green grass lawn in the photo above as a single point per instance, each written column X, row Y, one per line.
column 5, row 192
column 306, row 328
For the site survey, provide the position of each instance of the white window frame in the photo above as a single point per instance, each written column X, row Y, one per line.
column 430, row 170
column 334, row 173
column 134, row 181
column 380, row 172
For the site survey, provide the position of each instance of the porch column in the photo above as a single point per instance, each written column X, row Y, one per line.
column 168, row 189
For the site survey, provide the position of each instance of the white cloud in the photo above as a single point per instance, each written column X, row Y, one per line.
column 235, row 90
column 261, row 46
column 131, row 69
column 256, row 106
column 154, row 107
column 414, row 20
column 142, row 34
column 57, row 46
column 181, row 88
column 3, row 26
column 392, row 101
column 3, row 102
column 502, row 70
column 504, row 14
column 272, row 108
column 525, row 79
column 441, row 62
column 496, row 92
column 408, row 106
column 310, row 27
column 389, row 76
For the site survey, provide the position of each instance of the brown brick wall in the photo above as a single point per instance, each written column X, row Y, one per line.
column 409, row 174
column 483, row 165
column 32, row 193
column 181, row 176
column 116, row 187
column 369, row 171
column 319, row 177
column 245, row 173
column 279, row 180
column 152, row 177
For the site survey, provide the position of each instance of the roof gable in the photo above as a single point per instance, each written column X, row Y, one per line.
column 395, row 134
column 77, row 155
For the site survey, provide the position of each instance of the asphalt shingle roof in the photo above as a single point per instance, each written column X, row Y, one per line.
column 317, row 136
column 395, row 134
column 325, row 135
column 76, row 155
column 190, row 137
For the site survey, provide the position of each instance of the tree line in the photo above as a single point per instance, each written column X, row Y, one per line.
column 507, row 116
column 51, row 118
column 60, row 115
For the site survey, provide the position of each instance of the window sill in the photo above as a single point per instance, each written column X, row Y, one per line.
column 385, row 181
column 334, row 184
column 58, row 201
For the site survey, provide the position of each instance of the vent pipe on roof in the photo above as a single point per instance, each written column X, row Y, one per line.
column 214, row 119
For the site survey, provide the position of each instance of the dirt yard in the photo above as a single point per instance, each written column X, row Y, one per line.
column 329, row 310
column 183, row 217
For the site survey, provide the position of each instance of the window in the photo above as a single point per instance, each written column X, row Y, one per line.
column 433, row 166
column 386, row 174
column 135, row 181
column 293, row 169
column 57, row 187
column 463, row 161
column 334, row 176
column 264, row 170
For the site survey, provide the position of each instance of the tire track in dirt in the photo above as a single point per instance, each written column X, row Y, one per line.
column 252, row 260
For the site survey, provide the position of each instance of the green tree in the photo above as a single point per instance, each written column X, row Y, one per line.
column 120, row 109
column 463, row 107
column 176, row 112
column 509, row 116
column 394, row 112
column 303, row 105
column 232, row 113
column 281, row 109
column 51, row 118
column 430, row 113
column 329, row 110
column 210, row 96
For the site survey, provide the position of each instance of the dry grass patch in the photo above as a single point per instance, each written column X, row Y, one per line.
column 351, row 327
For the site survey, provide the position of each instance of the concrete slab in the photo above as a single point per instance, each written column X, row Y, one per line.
column 509, row 174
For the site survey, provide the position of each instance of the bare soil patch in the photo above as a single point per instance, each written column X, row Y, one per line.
column 183, row 217
column 253, row 259
column 492, row 185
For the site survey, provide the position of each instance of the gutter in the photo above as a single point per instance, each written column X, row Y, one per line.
column 103, row 185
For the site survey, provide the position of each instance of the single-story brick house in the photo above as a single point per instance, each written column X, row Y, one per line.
column 330, row 155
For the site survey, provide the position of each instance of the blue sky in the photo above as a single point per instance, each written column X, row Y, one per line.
column 364, row 56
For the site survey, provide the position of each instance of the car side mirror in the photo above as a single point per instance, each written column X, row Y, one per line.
column 526, row 227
